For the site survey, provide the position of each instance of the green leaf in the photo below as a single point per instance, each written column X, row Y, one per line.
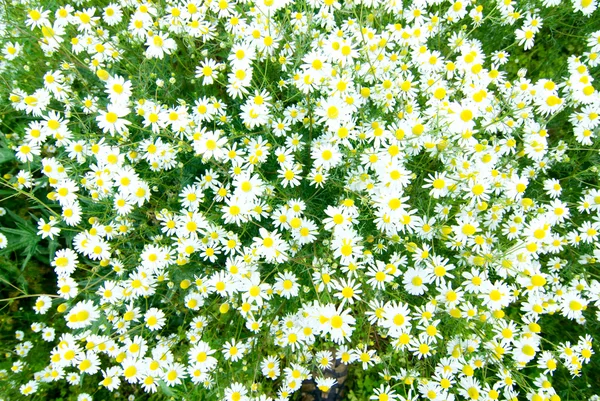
column 24, row 237
column 8, row 267
column 166, row 389
column 19, row 240
column 9, row 273
column 30, row 251
column 21, row 222
column 52, row 247
column 6, row 155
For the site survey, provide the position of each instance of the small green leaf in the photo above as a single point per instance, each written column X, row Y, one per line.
column 10, row 274
column 19, row 240
column 166, row 389
column 6, row 155
column 52, row 247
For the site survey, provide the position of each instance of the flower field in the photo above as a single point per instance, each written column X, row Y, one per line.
column 226, row 199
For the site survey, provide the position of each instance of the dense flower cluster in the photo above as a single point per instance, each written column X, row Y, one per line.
column 245, row 191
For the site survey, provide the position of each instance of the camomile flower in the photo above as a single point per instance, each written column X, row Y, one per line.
column 270, row 246
column 191, row 196
column 24, row 179
column 83, row 314
column 211, row 144
column 420, row 347
column 548, row 362
column 516, row 187
column 587, row 7
column 36, row 133
column 465, row 228
column 36, row 103
column 525, row 36
column 585, row 136
column 254, row 115
column 29, row 388
column 65, row 262
column 112, row 14
column 338, row 218
column 65, row 192
column 231, row 244
column 139, row 193
column 286, row 285
column 97, row 248
column 306, row 233
column 439, row 184
column 201, row 356
column 290, row 174
column 48, row 229
column 111, row 378
column 159, row 44
column 415, row 281
column 196, row 375
column 27, row 151
column 280, row 127
column 439, row 268
column 384, row 392
column 333, row 112
column 553, row 188
column 317, row 177
column 379, row 276
column 323, row 278
column 67, row 287
column 496, row 295
column 500, row 57
column 208, row 70
column 241, row 55
column 71, row 213
column 346, row 245
column 589, row 231
column 123, row 204
column 118, row 89
column 239, row 80
column 37, row 17
column 248, row 186
column 270, row 367
column 73, row 378
column 347, row 291
column 173, row 373
column 42, row 304
column 235, row 211
column 89, row 104
column 396, row 317
column 479, row 190
column 236, row 392
column 85, row 19
column 112, row 121
column 48, row 334
column 292, row 338
column 88, row 362
column 234, row 350
column 572, row 305
column 525, row 349
column 11, row 50
column 507, row 331
column 367, row 357
column 338, row 322
column 326, row 156
column 132, row 369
